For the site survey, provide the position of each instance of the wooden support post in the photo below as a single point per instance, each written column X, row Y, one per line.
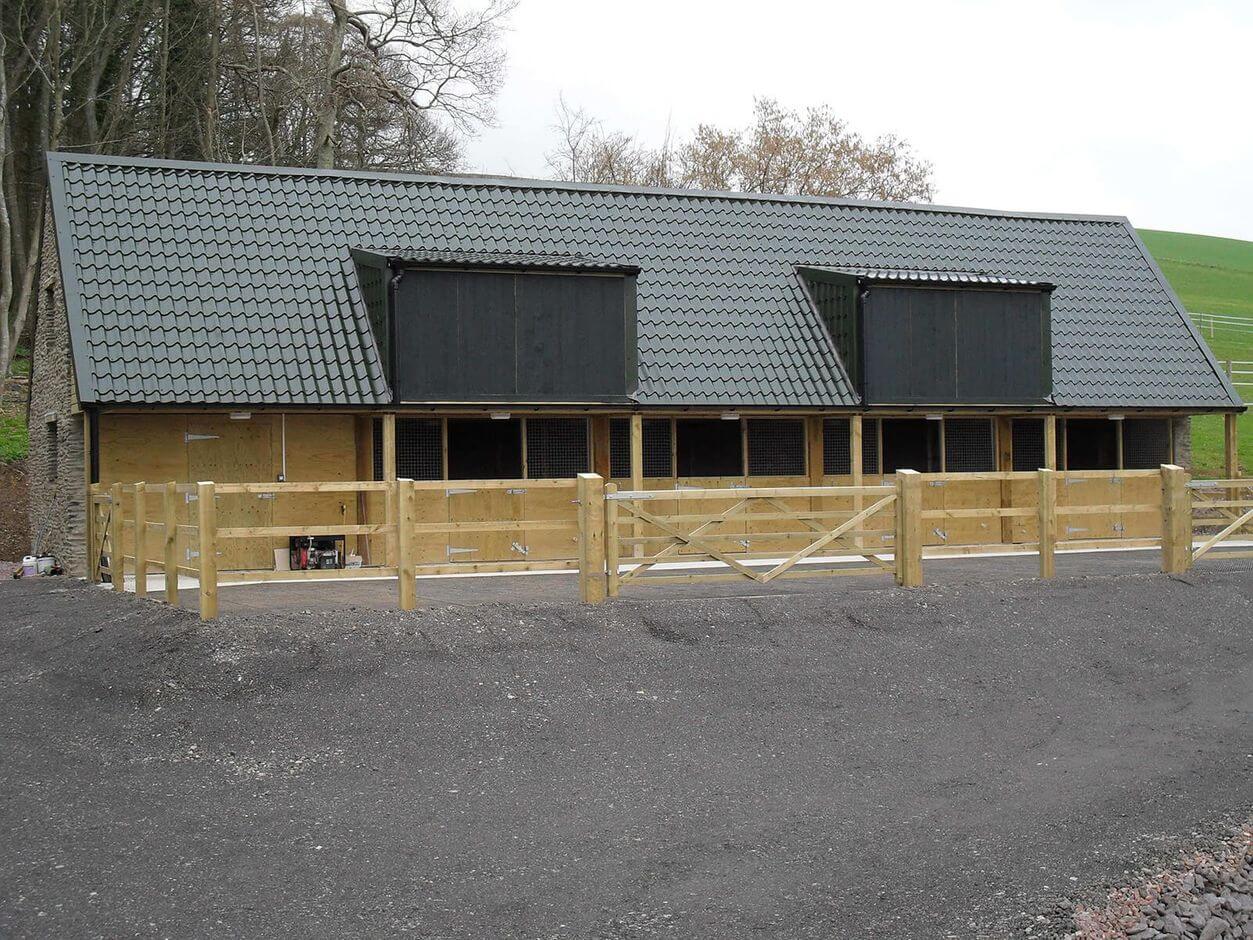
column 117, row 561
column 141, row 540
column 591, row 494
column 1176, row 520
column 816, row 461
column 170, row 507
column 637, row 468
column 612, row 546
column 207, row 518
column 855, row 466
column 1050, row 442
column 1231, row 447
column 600, row 446
column 1048, row 522
column 390, row 509
column 93, row 556
column 908, row 549
column 407, row 517
column 1005, row 463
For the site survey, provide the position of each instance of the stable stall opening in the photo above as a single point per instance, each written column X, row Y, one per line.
column 556, row 448
column 969, row 445
column 776, row 447
column 709, row 447
column 1091, row 444
column 484, row 449
column 1027, row 444
column 658, row 455
column 911, row 444
column 1146, row 443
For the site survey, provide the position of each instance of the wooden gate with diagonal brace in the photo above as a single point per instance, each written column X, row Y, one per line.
column 1225, row 505
column 762, row 534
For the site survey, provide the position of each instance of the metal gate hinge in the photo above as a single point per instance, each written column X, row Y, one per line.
column 457, row 551
column 189, row 437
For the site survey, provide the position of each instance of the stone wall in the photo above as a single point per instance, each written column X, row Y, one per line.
column 58, row 515
column 1182, row 430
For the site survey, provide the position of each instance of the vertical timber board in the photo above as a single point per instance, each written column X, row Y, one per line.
column 1047, row 521
column 1176, row 520
column 169, row 506
column 600, row 446
column 207, row 522
column 1231, row 447
column 613, row 555
column 1050, row 443
column 1005, row 463
column 117, row 553
column 591, row 497
column 141, row 539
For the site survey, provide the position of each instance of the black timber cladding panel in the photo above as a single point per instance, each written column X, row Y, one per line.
column 501, row 335
column 941, row 346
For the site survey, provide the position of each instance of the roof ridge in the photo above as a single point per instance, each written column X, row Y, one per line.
column 498, row 181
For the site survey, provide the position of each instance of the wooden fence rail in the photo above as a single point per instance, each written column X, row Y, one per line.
column 620, row 538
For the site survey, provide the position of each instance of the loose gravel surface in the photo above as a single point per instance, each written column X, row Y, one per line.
column 964, row 760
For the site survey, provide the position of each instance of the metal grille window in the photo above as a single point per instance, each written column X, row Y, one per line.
column 656, row 433
column 776, row 447
column 556, row 448
column 837, row 454
column 870, row 445
column 620, row 448
column 419, row 449
column 969, row 445
column 1028, row 444
column 1145, row 443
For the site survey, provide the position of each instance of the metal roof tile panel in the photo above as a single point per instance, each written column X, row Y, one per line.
column 239, row 278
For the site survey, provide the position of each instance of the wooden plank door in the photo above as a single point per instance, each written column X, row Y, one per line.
column 227, row 451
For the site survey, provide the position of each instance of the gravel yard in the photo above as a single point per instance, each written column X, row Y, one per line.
column 963, row 760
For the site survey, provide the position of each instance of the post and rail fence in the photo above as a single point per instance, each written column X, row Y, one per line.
column 618, row 538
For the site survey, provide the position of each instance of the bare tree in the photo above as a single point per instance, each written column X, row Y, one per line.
column 812, row 153
column 394, row 84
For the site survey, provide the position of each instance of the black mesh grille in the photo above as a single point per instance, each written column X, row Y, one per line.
column 656, row 433
column 870, row 445
column 556, row 447
column 658, row 458
column 1145, row 443
column 837, row 445
column 620, row 448
column 969, row 445
column 1028, row 444
column 419, row 451
column 776, row 447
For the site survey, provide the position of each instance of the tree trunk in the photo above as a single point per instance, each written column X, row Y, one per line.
column 328, row 112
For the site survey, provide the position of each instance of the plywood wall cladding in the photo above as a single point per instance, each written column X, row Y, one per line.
column 192, row 447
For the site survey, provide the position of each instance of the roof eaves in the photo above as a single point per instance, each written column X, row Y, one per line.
column 71, row 290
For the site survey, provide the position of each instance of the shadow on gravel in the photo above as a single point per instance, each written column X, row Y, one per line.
column 958, row 760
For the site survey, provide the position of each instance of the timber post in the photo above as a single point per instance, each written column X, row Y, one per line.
column 591, row 500
column 637, row 470
column 612, row 546
column 141, row 539
column 93, row 556
column 406, row 518
column 1176, row 520
column 1231, row 447
column 117, row 558
column 908, row 528
column 1047, row 518
column 207, row 518
column 170, row 508
column 390, row 509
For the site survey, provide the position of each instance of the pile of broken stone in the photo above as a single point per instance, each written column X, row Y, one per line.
column 1207, row 896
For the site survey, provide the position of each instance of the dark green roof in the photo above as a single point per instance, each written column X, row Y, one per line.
column 212, row 284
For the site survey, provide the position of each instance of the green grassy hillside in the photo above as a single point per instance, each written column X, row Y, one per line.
column 1213, row 275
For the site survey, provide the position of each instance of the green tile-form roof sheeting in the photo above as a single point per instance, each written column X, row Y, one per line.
column 207, row 284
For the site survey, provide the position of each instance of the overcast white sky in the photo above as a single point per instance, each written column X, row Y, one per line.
column 1141, row 108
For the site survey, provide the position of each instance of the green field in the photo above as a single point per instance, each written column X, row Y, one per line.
column 1212, row 275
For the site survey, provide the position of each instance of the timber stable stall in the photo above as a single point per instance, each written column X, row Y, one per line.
column 303, row 341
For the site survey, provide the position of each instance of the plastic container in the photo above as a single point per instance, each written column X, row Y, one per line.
column 29, row 566
column 44, row 564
